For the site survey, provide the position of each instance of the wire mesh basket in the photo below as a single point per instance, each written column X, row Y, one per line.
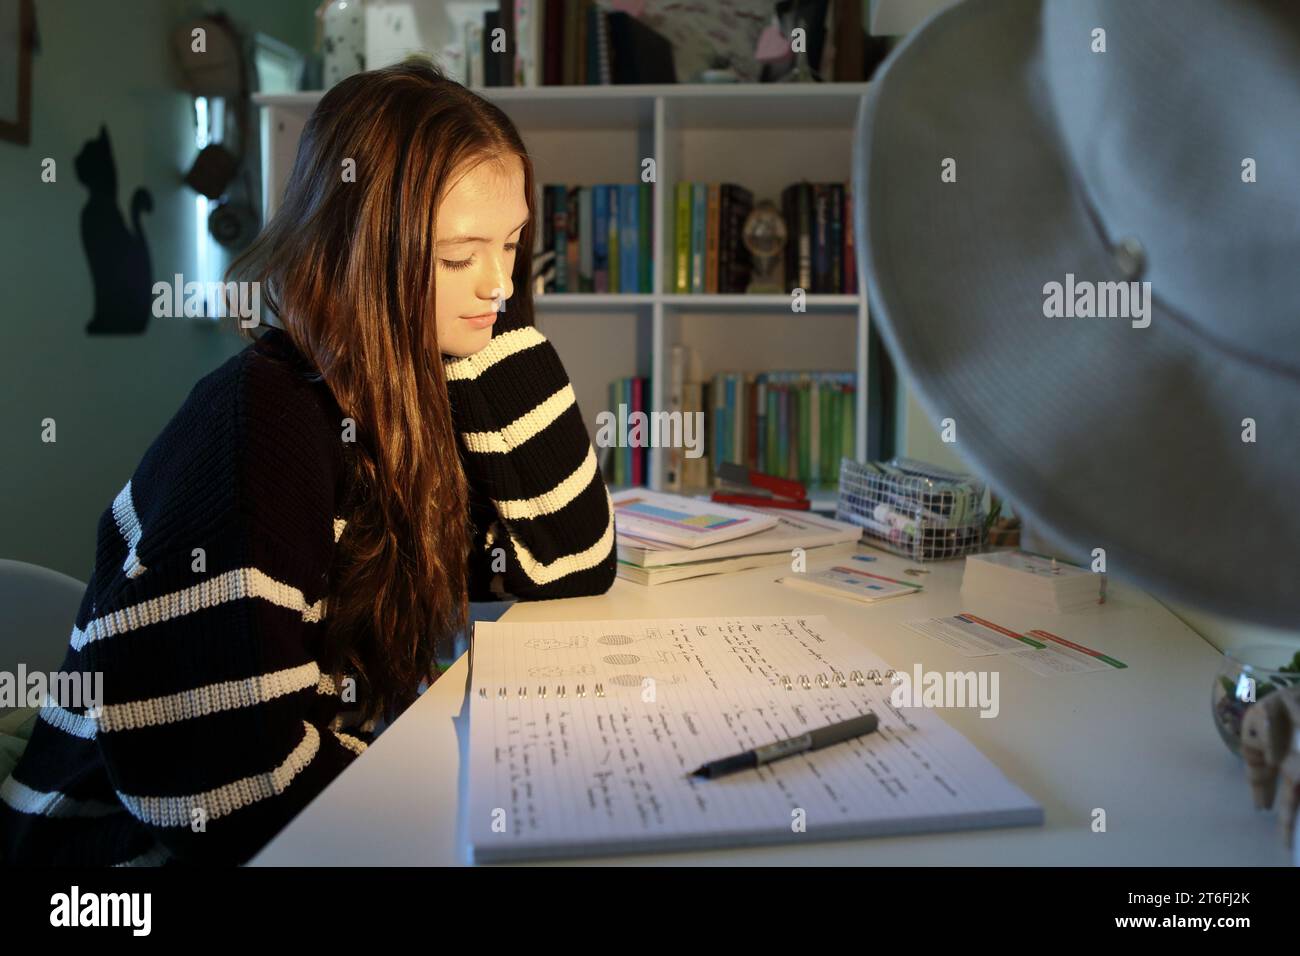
column 911, row 508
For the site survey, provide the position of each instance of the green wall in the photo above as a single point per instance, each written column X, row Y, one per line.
column 109, row 396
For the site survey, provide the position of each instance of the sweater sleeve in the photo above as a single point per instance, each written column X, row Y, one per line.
column 543, row 518
column 215, row 724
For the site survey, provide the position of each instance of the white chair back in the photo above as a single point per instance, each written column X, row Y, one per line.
column 38, row 609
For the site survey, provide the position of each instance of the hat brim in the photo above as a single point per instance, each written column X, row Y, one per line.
column 1101, row 434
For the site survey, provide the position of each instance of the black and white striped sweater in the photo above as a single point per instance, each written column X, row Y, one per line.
column 206, row 604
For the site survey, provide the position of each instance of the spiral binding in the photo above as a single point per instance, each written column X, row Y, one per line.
column 805, row 683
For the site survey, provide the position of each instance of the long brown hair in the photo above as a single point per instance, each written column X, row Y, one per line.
column 348, row 267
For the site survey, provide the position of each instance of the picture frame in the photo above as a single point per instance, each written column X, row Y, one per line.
column 17, row 33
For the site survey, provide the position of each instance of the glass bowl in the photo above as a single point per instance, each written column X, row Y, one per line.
column 1245, row 676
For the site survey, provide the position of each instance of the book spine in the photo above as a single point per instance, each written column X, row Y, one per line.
column 548, row 227
column 705, row 467
column 751, row 422
column 612, row 238
column 600, row 238
column 779, row 452
column 582, row 42
column 821, row 239
column 805, row 236
column 719, row 403
column 783, row 433
column 738, row 421
column 805, row 418
column 724, row 238
column 773, row 423
column 760, row 421
column 648, row 395
column 692, row 468
column 560, row 204
column 846, row 435
column 645, row 237
column 828, row 429
column 728, row 418
column 699, row 214
column 850, row 260
column 491, row 68
column 585, row 269
column 590, row 51
column 814, row 431
column 850, row 43
column 553, row 55
column 836, row 267
column 627, row 445
column 682, row 240
column 474, row 54
column 676, row 406
column 571, row 240
column 712, row 228
column 569, row 69
column 629, row 205
column 637, row 406
column 796, row 433
column 615, row 395
column 506, row 76
column 601, row 51
column 839, row 430
column 525, row 31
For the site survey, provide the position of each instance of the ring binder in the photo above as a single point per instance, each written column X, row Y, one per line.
column 521, row 692
column 805, row 683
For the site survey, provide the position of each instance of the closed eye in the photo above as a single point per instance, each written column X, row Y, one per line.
column 466, row 263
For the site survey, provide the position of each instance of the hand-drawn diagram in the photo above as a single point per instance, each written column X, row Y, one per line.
column 618, row 640
column 559, row 670
column 556, row 643
column 623, row 660
column 636, row 680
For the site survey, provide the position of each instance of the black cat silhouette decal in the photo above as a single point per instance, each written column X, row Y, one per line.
column 118, row 256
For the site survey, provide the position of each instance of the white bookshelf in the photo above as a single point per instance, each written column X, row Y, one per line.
column 763, row 136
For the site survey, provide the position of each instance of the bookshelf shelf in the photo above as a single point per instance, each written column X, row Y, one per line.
column 586, row 301
column 698, row 302
column 823, row 497
column 585, row 135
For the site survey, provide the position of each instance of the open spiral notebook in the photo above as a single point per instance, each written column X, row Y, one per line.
column 583, row 734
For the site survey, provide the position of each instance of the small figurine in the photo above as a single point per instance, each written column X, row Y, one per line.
column 1269, row 745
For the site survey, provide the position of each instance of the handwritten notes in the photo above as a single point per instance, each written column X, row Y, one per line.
column 583, row 734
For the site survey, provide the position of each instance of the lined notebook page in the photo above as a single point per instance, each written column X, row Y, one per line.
column 582, row 736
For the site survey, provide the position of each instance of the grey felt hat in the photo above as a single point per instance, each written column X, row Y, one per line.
column 1095, row 143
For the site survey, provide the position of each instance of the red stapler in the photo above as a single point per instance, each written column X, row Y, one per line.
column 755, row 488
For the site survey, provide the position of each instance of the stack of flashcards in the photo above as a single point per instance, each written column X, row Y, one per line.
column 851, row 583
column 1037, row 650
column 1032, row 579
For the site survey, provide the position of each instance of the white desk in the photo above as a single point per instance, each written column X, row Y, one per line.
column 1139, row 743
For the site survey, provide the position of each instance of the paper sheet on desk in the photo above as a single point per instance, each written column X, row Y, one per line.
column 582, row 736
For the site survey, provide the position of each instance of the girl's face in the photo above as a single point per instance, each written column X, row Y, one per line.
column 478, row 226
